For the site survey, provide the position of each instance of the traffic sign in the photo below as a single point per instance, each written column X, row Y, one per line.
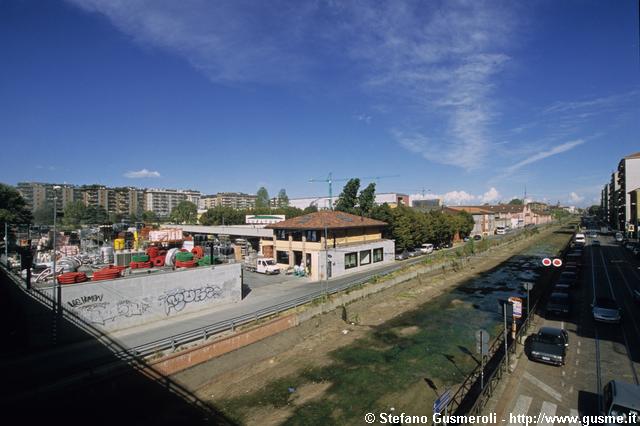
column 442, row 402
column 557, row 262
column 482, row 342
column 517, row 306
column 546, row 261
column 528, row 285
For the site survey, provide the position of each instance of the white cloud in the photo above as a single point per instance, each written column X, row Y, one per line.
column 490, row 196
column 458, row 198
column 545, row 154
column 144, row 173
column 364, row 117
column 575, row 198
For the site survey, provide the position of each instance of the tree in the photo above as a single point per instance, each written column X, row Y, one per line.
column 220, row 215
column 348, row 199
column 43, row 215
column 185, row 212
column 283, row 198
column 13, row 208
column 310, row 209
column 149, row 216
column 367, row 199
column 74, row 213
column 262, row 200
column 516, row 202
column 101, row 215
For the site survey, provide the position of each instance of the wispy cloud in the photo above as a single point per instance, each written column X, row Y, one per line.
column 461, row 197
column 364, row 118
column 437, row 59
column 144, row 173
column 545, row 154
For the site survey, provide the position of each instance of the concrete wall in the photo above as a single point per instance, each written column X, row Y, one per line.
column 135, row 300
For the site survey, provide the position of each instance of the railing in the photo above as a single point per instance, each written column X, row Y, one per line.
column 470, row 399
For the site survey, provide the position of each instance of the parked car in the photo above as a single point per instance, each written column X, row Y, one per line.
column 402, row 255
column 619, row 237
column 415, row 252
column 426, row 248
column 579, row 239
column 606, row 310
column 595, row 243
column 558, row 304
column 621, row 399
column 561, row 287
column 593, row 234
column 477, row 237
column 549, row 345
column 500, row 230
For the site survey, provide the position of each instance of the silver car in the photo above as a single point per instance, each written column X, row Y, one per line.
column 606, row 310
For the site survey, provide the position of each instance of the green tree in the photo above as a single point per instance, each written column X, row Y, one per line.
column 101, row 215
column 149, row 216
column 367, row 199
column 310, row 209
column 283, row 198
column 464, row 223
column 220, row 215
column 43, row 215
column 185, row 212
column 516, row 201
column 74, row 213
column 348, row 199
column 13, row 208
column 262, row 200
column 115, row 217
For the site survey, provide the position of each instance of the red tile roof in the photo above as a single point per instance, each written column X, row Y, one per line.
column 326, row 218
column 505, row 208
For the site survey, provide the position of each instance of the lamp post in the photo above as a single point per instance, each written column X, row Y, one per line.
column 57, row 302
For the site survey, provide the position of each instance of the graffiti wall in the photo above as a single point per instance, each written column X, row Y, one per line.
column 141, row 299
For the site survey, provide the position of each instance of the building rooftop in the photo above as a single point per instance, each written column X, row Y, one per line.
column 326, row 218
column 471, row 209
column 505, row 208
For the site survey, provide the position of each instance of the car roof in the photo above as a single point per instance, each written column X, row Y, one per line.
column 550, row 330
column 558, row 295
column 626, row 394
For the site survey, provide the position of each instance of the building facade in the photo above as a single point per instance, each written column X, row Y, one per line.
column 328, row 244
column 628, row 180
column 163, row 201
column 483, row 219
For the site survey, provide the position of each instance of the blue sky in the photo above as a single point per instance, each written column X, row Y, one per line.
column 469, row 100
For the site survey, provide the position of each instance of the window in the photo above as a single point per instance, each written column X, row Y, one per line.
column 350, row 260
column 312, row 236
column 296, row 235
column 365, row 257
column 281, row 234
column 378, row 255
column 282, row 257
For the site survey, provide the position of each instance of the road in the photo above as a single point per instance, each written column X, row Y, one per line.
column 597, row 352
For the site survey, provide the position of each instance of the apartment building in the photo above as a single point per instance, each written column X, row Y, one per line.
column 628, row 180
column 38, row 195
column 163, row 201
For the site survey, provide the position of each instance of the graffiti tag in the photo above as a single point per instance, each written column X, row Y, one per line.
column 178, row 298
column 79, row 301
column 103, row 312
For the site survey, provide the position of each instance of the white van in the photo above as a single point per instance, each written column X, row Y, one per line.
column 580, row 239
column 500, row 230
column 426, row 248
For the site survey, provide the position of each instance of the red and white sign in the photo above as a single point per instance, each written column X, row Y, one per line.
column 517, row 306
column 546, row 261
column 557, row 262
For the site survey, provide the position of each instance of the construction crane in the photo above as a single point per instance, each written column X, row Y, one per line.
column 330, row 179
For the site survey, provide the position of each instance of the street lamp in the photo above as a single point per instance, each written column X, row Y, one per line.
column 57, row 297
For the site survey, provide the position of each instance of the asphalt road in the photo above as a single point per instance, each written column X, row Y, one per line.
column 597, row 352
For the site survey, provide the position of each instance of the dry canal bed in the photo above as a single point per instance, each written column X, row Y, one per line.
column 328, row 371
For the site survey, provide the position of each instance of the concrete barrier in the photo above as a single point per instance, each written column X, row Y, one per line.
column 174, row 363
column 137, row 300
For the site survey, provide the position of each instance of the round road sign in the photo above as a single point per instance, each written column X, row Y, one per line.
column 557, row 262
column 546, row 261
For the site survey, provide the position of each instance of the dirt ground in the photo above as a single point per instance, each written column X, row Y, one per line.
column 252, row 368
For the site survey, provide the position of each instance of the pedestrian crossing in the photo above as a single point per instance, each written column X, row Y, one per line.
column 540, row 412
